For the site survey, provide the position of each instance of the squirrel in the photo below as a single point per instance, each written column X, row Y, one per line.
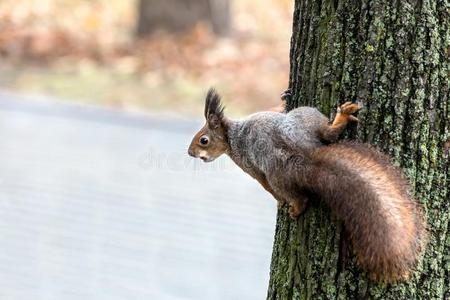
column 294, row 157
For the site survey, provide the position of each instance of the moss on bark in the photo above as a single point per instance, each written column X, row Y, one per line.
column 394, row 56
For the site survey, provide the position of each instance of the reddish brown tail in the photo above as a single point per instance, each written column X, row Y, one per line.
column 371, row 196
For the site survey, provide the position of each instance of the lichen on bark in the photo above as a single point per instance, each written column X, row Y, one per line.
column 394, row 56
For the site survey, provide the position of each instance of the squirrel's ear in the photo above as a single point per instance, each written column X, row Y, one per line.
column 213, row 122
column 213, row 109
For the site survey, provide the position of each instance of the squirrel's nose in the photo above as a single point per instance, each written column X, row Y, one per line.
column 191, row 152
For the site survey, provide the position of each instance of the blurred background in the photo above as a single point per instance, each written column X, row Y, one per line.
column 150, row 55
column 98, row 103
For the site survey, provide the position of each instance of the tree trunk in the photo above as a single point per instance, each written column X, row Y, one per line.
column 181, row 15
column 394, row 56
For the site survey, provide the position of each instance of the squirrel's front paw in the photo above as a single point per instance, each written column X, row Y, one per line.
column 349, row 108
column 286, row 95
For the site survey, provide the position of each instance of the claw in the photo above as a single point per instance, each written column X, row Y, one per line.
column 346, row 104
column 286, row 95
column 353, row 118
column 360, row 104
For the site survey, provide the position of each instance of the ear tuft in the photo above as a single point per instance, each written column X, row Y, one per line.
column 213, row 105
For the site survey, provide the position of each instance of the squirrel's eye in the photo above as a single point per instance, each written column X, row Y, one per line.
column 204, row 140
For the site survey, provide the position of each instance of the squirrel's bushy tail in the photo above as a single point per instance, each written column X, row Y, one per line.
column 386, row 226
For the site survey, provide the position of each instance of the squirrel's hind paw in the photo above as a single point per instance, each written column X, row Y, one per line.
column 296, row 208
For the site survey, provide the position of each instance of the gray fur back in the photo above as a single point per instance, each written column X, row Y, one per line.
column 254, row 135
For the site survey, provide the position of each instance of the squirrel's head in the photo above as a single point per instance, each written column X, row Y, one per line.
column 211, row 141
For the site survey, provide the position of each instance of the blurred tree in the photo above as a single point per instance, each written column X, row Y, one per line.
column 394, row 55
column 180, row 15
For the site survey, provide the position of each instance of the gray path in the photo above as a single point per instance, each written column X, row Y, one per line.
column 96, row 204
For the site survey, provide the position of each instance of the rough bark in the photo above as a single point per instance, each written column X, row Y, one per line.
column 181, row 15
column 393, row 55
